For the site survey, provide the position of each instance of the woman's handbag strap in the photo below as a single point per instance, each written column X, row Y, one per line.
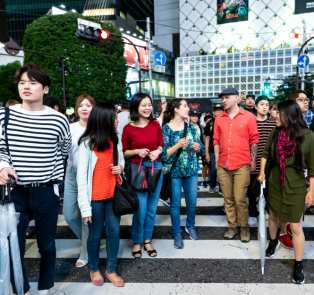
column 180, row 149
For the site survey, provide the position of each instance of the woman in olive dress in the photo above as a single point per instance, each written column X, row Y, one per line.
column 290, row 149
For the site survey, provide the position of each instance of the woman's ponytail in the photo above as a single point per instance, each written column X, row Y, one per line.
column 169, row 113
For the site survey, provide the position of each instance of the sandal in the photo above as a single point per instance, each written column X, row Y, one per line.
column 137, row 252
column 83, row 263
column 150, row 252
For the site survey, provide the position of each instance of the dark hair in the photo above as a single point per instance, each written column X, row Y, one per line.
column 51, row 101
column 207, row 117
column 125, row 105
column 273, row 106
column 290, row 115
column 34, row 73
column 169, row 113
column 134, row 105
column 100, row 129
column 295, row 94
column 62, row 109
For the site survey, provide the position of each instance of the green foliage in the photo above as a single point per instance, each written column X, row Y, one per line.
column 98, row 69
column 291, row 86
column 8, row 89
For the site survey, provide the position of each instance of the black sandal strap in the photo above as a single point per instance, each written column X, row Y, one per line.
column 146, row 243
column 150, row 252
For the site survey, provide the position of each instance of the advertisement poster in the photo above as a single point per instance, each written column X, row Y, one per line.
column 231, row 11
column 304, row 6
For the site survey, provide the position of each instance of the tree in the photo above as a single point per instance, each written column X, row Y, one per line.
column 8, row 89
column 98, row 69
column 287, row 88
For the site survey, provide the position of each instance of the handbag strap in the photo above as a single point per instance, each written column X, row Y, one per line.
column 180, row 149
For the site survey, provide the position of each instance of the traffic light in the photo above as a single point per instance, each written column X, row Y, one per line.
column 128, row 92
column 267, row 90
column 91, row 31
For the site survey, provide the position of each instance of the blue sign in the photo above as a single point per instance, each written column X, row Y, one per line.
column 160, row 58
column 303, row 61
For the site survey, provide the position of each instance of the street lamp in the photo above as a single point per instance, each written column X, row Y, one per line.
column 62, row 6
column 73, row 10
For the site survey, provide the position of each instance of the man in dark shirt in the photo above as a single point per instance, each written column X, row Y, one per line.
column 209, row 149
column 250, row 103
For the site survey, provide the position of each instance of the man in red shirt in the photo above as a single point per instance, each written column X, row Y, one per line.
column 235, row 145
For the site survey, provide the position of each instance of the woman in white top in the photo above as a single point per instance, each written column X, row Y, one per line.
column 71, row 211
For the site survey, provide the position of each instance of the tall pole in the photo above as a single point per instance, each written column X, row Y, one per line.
column 63, row 82
column 304, row 41
column 149, row 61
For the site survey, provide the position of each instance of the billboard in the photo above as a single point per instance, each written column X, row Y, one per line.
column 231, row 11
column 131, row 55
column 304, row 6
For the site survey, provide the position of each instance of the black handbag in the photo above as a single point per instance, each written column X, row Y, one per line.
column 144, row 178
column 166, row 189
column 125, row 200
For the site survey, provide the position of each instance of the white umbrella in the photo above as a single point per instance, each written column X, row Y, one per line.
column 262, row 233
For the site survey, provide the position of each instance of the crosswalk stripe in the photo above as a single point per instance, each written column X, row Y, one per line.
column 216, row 249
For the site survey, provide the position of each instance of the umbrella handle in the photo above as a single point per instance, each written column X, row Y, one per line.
column 263, row 185
column 2, row 192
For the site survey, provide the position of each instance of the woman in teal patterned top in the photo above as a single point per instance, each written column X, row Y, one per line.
column 185, row 171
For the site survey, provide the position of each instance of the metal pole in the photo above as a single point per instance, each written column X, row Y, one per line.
column 149, row 61
column 63, row 80
column 304, row 41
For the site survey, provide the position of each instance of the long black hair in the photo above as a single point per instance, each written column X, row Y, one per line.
column 292, row 119
column 134, row 105
column 100, row 129
column 169, row 113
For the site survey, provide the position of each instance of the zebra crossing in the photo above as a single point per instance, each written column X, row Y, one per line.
column 210, row 265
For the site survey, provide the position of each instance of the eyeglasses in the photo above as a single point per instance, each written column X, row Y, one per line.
column 303, row 99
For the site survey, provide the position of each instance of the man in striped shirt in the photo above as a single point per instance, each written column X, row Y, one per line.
column 33, row 145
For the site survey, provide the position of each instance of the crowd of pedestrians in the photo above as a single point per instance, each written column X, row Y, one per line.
column 237, row 146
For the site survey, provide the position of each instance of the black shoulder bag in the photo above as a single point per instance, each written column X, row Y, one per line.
column 166, row 189
column 125, row 200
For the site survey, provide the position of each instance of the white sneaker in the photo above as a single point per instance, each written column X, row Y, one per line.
column 167, row 203
column 43, row 292
column 217, row 189
column 252, row 221
column 211, row 190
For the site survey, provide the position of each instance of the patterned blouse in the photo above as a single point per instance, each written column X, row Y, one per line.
column 187, row 164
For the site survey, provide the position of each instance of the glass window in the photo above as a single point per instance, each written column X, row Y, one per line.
column 180, row 82
column 186, row 75
column 257, row 55
column 198, row 74
column 272, row 70
column 216, row 58
column 216, row 66
column 223, row 73
column 265, row 70
column 230, row 64
column 279, row 61
column 210, row 73
column 280, row 53
column 223, row 87
column 311, row 68
column 279, row 70
column 198, row 67
column 204, row 74
column 236, row 72
column 186, row 82
column 186, row 68
column 180, row 75
column 257, row 63
column 192, row 82
column 265, row 54
column 243, row 55
column 223, row 65
column 250, row 71
column 272, row 62
column 250, row 63
column 296, row 51
column 257, row 71
column 236, row 64
column 288, row 60
column 210, row 81
column 210, row 88
column 192, row 68
column 288, row 52
column 230, row 57
column 243, row 64
column 265, row 62
column 192, row 75
column 204, row 88
column 237, row 56
column 192, row 89
column 180, row 89
column 210, row 58
column 198, row 82
column 287, row 69
column 216, row 87
column 251, row 55
column 192, row 60
column 204, row 59
column 198, row 89
column 210, row 66
column 186, row 61
column 186, row 89
column 204, row 81
column 273, row 53
column 243, row 72
column 180, row 61
column 223, row 58
column 204, row 67
column 230, row 72
column 216, row 73
column 180, row 68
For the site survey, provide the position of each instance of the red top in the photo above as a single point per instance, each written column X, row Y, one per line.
column 104, row 182
column 235, row 137
column 149, row 137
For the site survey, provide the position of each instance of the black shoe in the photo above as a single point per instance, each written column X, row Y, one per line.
column 298, row 276
column 272, row 247
column 205, row 184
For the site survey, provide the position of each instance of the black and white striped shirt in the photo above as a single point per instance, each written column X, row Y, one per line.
column 39, row 141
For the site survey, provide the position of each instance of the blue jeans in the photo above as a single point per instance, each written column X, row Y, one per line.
column 102, row 212
column 213, row 171
column 71, row 211
column 43, row 204
column 144, row 219
column 189, row 185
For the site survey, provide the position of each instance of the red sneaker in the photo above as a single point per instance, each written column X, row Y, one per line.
column 288, row 228
column 285, row 241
